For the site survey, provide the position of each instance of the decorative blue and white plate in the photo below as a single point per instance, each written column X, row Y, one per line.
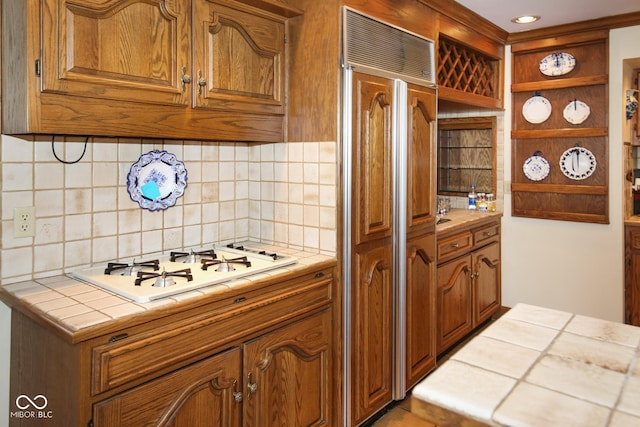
column 536, row 109
column 557, row 64
column 536, row 167
column 576, row 112
column 156, row 180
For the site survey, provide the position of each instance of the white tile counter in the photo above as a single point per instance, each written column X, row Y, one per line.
column 538, row 367
column 74, row 305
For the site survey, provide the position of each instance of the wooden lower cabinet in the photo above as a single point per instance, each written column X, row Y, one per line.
column 454, row 302
column 279, row 379
column 632, row 276
column 469, row 285
column 256, row 354
column 201, row 394
column 287, row 374
column 486, row 286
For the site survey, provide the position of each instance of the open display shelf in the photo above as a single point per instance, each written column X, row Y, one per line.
column 568, row 127
column 466, row 155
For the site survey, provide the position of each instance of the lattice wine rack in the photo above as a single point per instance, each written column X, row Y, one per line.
column 466, row 70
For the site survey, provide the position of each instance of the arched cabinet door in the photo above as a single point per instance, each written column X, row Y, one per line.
column 204, row 394
column 454, row 300
column 136, row 50
column 239, row 58
column 371, row 332
column 421, row 311
column 486, row 266
column 421, row 171
column 287, row 375
column 372, row 158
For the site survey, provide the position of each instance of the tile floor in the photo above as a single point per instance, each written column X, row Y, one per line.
column 400, row 416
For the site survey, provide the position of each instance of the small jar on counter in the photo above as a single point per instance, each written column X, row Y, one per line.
column 491, row 202
column 482, row 202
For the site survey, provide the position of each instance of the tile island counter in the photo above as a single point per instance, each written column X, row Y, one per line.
column 538, row 367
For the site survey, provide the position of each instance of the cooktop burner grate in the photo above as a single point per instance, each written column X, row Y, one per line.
column 192, row 257
column 129, row 269
column 239, row 247
column 224, row 263
column 145, row 275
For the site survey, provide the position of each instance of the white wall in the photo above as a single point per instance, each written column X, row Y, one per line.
column 565, row 265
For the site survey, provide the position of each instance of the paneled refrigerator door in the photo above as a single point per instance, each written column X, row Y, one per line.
column 380, row 109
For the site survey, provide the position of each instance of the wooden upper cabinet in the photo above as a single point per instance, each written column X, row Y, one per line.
column 239, row 59
column 131, row 51
column 174, row 69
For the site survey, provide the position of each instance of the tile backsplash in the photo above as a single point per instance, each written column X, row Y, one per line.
column 279, row 193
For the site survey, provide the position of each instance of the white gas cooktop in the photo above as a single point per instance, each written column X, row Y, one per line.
column 156, row 287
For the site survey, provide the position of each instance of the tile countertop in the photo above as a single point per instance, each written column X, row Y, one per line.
column 462, row 217
column 72, row 306
column 540, row 367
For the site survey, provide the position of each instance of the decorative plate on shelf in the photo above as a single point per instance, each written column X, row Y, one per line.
column 577, row 163
column 576, row 112
column 536, row 109
column 557, row 64
column 536, row 167
column 156, row 180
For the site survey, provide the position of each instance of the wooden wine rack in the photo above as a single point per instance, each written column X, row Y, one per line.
column 466, row 70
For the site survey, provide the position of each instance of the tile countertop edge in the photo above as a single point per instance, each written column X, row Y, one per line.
column 464, row 218
column 145, row 315
column 632, row 220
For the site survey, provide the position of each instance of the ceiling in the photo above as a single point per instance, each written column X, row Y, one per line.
column 552, row 12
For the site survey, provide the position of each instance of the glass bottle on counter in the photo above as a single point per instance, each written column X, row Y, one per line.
column 472, row 198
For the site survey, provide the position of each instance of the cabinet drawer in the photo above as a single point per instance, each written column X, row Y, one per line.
column 457, row 244
column 486, row 234
column 148, row 354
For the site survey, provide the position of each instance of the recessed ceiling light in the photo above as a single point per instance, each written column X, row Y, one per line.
column 527, row 19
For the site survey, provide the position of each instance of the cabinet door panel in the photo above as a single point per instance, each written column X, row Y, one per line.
column 372, row 157
column 632, row 276
column 371, row 332
column 200, row 395
column 421, row 264
column 421, row 126
column 132, row 51
column 454, row 302
column 291, row 371
column 486, row 267
column 239, row 59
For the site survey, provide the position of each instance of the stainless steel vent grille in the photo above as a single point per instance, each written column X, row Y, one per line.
column 377, row 46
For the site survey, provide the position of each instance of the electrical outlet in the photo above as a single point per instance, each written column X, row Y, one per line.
column 24, row 222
